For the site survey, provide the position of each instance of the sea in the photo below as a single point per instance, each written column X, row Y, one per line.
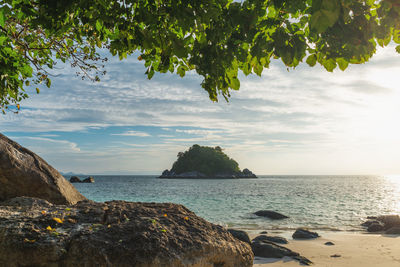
column 327, row 203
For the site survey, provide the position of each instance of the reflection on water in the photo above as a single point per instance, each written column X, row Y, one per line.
column 394, row 180
column 320, row 202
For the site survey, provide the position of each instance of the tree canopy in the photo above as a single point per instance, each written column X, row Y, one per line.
column 214, row 38
column 204, row 159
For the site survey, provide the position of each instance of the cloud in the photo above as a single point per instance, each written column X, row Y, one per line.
column 269, row 120
column 198, row 131
column 42, row 145
column 368, row 87
column 133, row 133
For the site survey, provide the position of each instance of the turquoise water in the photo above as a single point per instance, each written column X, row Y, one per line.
column 318, row 202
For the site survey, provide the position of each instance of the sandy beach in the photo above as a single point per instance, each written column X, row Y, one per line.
column 355, row 249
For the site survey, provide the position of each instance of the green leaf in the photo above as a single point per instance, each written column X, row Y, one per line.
column 150, row 73
column 48, row 82
column 325, row 15
column 37, row 90
column 235, row 83
column 98, row 25
column 312, row 60
column 181, row 71
column 2, row 39
column 342, row 63
column 398, row 49
column 329, row 64
column 2, row 19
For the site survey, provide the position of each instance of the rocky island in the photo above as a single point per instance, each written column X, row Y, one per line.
column 203, row 162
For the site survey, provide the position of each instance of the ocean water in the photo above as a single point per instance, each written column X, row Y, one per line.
column 317, row 202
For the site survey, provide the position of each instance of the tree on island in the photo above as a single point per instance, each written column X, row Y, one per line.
column 203, row 161
column 215, row 38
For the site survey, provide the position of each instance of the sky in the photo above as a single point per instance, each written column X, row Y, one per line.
column 302, row 121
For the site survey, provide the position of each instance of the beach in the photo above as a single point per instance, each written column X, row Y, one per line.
column 355, row 249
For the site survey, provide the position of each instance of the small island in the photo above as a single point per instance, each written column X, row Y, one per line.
column 203, row 162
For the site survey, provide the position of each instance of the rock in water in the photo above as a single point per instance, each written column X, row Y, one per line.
column 23, row 173
column 270, row 214
column 75, row 179
column 241, row 235
column 389, row 221
column 116, row 233
column 302, row 233
column 375, row 227
column 90, row 179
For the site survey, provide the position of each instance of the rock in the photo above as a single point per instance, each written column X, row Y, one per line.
column 23, row 173
column 329, row 243
column 368, row 223
column 336, row 256
column 372, row 217
column 246, row 173
column 271, row 250
column 166, row 174
column 375, row 227
column 115, row 233
column 273, row 239
column 270, row 214
column 302, row 233
column 264, row 232
column 75, row 179
column 90, row 179
column 389, row 221
column 241, row 235
column 395, row 230
column 192, row 175
column 186, row 175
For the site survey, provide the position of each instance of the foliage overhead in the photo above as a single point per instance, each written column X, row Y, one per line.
column 204, row 159
column 215, row 38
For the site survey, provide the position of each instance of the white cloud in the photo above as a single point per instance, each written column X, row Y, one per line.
column 133, row 133
column 282, row 122
column 52, row 150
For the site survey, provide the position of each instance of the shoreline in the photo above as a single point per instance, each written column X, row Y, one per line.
column 353, row 249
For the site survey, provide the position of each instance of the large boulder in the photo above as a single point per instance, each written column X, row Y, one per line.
column 270, row 214
column 117, row 233
column 23, row 173
column 381, row 223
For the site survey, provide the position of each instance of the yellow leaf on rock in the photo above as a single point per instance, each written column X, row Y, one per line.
column 44, row 212
column 49, row 228
column 26, row 240
column 165, row 215
column 58, row 220
column 186, row 218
